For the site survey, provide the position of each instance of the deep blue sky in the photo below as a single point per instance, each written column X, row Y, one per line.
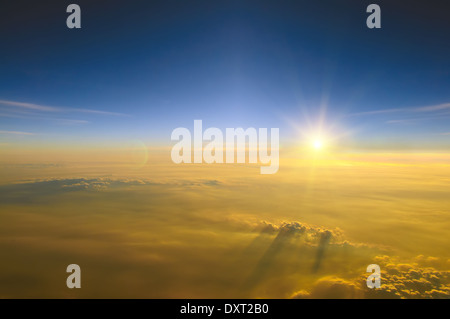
column 231, row 63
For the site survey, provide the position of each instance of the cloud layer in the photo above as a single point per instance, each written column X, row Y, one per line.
column 223, row 232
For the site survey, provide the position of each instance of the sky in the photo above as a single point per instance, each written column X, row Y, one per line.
column 138, row 71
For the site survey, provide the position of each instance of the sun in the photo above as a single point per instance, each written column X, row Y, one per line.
column 317, row 144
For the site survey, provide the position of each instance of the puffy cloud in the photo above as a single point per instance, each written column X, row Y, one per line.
column 414, row 279
column 399, row 280
column 331, row 288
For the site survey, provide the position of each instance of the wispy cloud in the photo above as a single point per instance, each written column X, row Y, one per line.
column 409, row 115
column 68, row 121
column 421, row 109
column 407, row 121
column 30, row 106
column 45, row 108
column 46, row 118
column 376, row 112
column 433, row 108
column 17, row 133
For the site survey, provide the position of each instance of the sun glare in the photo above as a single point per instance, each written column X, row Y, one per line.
column 317, row 144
